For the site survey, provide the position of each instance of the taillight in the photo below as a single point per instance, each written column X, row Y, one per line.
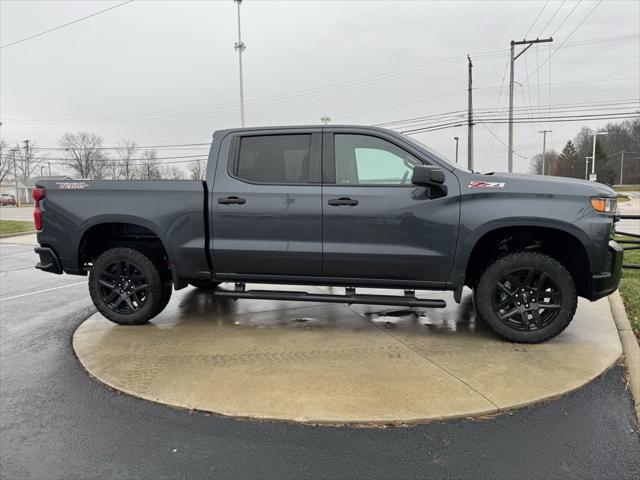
column 38, row 194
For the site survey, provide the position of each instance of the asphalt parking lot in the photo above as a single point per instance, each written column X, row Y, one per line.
column 57, row 422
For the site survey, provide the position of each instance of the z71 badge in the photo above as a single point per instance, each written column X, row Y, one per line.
column 479, row 184
column 72, row 185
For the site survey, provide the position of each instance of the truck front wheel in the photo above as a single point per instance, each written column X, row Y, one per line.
column 526, row 297
column 128, row 287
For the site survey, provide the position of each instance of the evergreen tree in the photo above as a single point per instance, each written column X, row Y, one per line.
column 569, row 164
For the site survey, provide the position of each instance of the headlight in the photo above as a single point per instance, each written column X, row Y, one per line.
column 604, row 204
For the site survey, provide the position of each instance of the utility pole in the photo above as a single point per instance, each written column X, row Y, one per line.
column 586, row 168
column 470, row 121
column 622, row 162
column 240, row 47
column 514, row 57
column 15, row 174
column 593, row 156
column 544, row 146
column 325, row 120
column 456, row 139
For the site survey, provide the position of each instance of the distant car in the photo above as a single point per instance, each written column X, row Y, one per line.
column 6, row 199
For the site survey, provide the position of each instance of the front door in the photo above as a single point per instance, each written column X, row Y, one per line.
column 266, row 211
column 377, row 225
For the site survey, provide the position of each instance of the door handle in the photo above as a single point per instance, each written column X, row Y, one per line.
column 232, row 201
column 343, row 201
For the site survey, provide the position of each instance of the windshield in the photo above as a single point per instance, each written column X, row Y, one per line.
column 434, row 153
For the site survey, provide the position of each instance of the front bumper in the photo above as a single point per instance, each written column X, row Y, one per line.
column 602, row 284
column 49, row 261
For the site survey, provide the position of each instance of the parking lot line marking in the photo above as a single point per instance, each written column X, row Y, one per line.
column 42, row 291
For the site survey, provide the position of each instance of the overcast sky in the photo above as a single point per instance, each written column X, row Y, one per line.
column 162, row 72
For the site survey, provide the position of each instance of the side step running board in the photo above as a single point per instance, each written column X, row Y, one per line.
column 406, row 300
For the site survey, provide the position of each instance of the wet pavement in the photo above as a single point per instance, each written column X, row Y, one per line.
column 334, row 363
column 57, row 422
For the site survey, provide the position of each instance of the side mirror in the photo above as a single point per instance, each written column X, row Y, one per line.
column 427, row 176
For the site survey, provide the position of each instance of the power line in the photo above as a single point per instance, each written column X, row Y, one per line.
column 566, row 18
column 64, row 25
column 555, row 107
column 138, row 147
column 550, row 119
column 536, row 19
column 498, row 139
column 568, row 37
column 551, row 19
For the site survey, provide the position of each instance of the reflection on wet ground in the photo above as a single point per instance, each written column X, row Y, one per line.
column 201, row 305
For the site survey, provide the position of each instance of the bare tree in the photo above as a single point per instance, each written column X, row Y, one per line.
column 26, row 161
column 85, row 153
column 126, row 152
column 149, row 169
column 6, row 161
column 197, row 169
column 550, row 163
column 171, row 172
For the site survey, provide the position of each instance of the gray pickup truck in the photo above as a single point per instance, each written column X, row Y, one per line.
column 337, row 206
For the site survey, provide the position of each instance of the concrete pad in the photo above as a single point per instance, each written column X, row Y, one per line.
column 332, row 363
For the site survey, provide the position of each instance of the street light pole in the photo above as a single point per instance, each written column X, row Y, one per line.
column 240, row 47
column 456, row 139
column 593, row 156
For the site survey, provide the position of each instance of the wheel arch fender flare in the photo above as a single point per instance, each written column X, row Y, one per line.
column 84, row 228
column 467, row 241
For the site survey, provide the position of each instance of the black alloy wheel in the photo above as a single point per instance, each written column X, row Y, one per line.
column 123, row 287
column 526, row 299
column 129, row 287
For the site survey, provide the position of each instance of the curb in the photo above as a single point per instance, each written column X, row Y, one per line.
column 19, row 234
column 630, row 347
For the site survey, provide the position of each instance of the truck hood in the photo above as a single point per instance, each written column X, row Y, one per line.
column 550, row 184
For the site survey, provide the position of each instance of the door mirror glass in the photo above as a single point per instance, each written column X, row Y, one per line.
column 427, row 176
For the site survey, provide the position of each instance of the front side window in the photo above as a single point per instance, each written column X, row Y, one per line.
column 275, row 159
column 366, row 160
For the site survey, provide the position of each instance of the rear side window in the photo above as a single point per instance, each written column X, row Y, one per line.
column 276, row 159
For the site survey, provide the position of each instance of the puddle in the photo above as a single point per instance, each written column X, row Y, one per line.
column 408, row 318
column 305, row 319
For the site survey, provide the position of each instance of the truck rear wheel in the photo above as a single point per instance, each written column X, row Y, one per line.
column 526, row 297
column 127, row 287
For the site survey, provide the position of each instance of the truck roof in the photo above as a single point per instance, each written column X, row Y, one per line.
column 305, row 127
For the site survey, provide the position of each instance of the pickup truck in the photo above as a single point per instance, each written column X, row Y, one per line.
column 334, row 206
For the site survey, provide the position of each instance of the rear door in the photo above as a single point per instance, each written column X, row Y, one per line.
column 266, row 204
column 377, row 224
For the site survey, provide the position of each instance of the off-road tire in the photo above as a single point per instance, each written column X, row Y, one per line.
column 557, row 273
column 158, row 289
